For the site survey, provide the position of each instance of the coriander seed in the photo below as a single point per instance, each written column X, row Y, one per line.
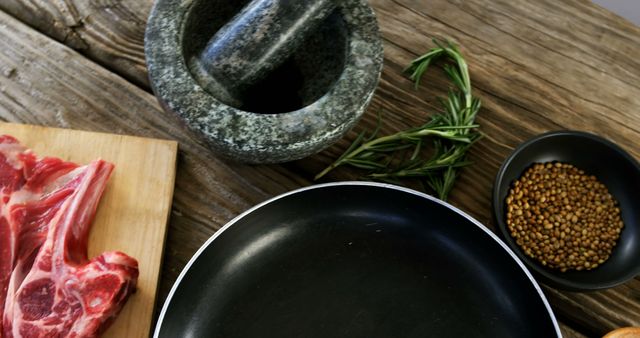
column 563, row 217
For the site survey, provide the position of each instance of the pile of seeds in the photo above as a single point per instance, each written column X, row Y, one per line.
column 562, row 217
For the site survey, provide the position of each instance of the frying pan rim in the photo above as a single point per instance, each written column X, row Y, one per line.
column 482, row 227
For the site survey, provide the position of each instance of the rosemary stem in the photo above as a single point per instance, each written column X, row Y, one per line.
column 327, row 169
column 390, row 138
column 357, row 151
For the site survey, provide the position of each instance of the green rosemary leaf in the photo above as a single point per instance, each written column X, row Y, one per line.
column 375, row 132
column 353, row 146
column 416, row 150
column 455, row 77
column 466, row 126
column 390, row 147
column 369, row 155
column 448, row 180
column 363, row 164
column 384, row 179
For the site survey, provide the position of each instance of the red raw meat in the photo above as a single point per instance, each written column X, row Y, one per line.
column 15, row 165
column 54, row 290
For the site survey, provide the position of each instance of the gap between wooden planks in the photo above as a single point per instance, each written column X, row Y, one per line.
column 133, row 213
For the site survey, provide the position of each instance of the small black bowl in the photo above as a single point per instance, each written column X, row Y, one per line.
column 615, row 168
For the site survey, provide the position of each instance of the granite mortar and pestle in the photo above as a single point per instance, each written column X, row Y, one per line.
column 264, row 81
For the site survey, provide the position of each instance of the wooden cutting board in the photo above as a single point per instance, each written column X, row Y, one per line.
column 132, row 216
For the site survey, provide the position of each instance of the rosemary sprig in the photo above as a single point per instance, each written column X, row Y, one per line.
column 453, row 131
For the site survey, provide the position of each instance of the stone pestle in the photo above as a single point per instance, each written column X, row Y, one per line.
column 255, row 42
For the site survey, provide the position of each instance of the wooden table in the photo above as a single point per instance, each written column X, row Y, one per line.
column 537, row 66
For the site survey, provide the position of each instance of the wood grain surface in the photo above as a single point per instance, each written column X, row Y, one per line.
column 134, row 210
column 537, row 66
column 108, row 31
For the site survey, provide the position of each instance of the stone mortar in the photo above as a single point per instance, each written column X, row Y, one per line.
column 308, row 103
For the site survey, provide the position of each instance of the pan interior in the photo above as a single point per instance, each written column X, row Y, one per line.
column 355, row 261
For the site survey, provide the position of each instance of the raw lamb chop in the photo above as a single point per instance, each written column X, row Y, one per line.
column 62, row 293
column 32, row 191
column 30, row 210
column 14, row 161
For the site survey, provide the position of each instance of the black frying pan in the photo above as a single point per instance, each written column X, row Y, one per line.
column 355, row 260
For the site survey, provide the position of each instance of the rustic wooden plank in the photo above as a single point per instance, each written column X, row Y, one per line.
column 620, row 304
column 538, row 66
column 110, row 32
column 568, row 332
column 546, row 89
column 133, row 212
